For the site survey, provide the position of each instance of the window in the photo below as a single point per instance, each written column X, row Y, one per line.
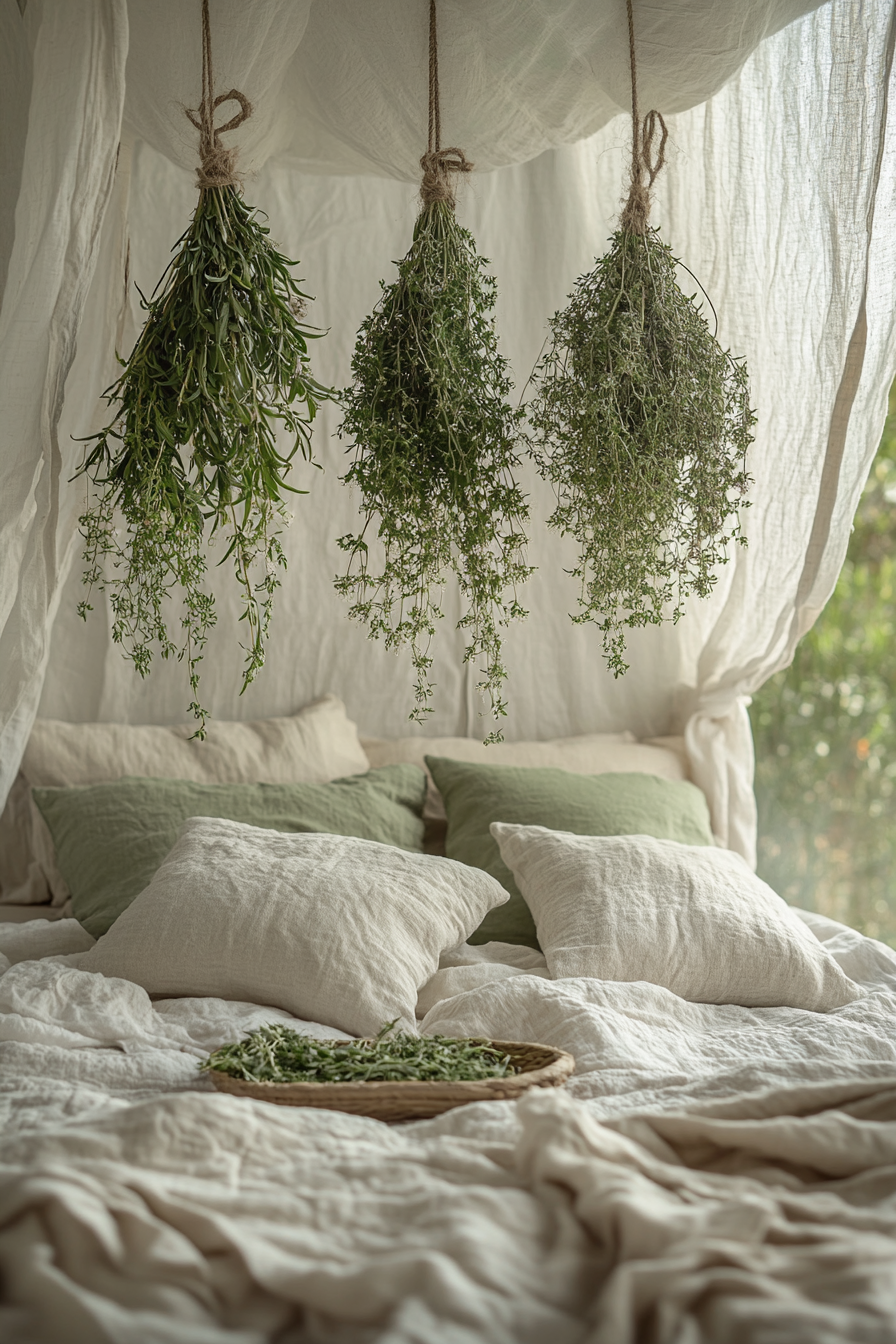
column 825, row 733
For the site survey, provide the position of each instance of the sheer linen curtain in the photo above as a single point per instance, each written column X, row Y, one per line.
column 778, row 194
column 61, row 140
column 341, row 87
column 813, row 269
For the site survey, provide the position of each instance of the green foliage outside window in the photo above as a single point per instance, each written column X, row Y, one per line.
column 825, row 733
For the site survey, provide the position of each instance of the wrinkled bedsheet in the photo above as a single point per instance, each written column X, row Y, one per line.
column 709, row 1174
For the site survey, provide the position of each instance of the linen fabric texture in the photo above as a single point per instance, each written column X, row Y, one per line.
column 110, row 838
column 316, row 744
column 609, row 804
column 693, row 920
column 332, row 929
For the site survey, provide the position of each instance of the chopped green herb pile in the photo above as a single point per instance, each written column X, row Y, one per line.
column 220, row 366
column 276, row 1054
column 436, row 450
column 643, row 423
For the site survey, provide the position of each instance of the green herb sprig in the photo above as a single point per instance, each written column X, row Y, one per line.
column 436, row 447
column 642, row 423
column 278, row 1054
column 220, row 365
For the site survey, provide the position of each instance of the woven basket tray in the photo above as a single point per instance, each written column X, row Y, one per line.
column 542, row 1067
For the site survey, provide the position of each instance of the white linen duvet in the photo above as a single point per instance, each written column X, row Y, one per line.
column 711, row 1173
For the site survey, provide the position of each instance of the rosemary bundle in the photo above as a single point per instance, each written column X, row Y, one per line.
column 436, row 445
column 642, row 423
column 220, row 366
column 277, row 1054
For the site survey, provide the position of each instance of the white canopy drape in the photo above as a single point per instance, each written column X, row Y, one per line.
column 779, row 194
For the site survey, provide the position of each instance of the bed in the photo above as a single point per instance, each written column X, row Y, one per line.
column 712, row 1172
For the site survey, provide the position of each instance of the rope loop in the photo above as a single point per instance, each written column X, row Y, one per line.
column 217, row 164
column 652, row 163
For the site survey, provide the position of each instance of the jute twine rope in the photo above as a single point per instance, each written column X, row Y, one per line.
column 217, row 163
column 646, row 162
column 438, row 164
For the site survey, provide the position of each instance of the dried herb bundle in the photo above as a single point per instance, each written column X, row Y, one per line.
column 276, row 1054
column 436, row 446
column 642, row 422
column 220, row 366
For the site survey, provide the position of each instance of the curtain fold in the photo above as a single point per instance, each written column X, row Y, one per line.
column 15, row 92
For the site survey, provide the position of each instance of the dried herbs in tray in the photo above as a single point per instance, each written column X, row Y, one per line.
column 278, row 1054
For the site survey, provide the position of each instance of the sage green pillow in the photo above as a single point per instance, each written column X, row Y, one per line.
column 609, row 804
column 110, row 838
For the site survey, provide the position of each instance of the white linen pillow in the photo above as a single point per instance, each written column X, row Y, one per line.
column 317, row 744
column 588, row 754
column 328, row 927
column 692, row 919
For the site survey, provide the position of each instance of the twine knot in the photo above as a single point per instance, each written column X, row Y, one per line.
column 217, row 164
column 646, row 161
column 438, row 166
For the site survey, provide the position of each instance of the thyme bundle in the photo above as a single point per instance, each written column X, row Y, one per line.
column 643, row 422
column 278, row 1054
column 220, row 365
column 436, row 444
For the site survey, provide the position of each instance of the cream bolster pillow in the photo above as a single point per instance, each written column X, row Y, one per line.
column 693, row 919
column 330, row 928
column 318, row 744
column 587, row 754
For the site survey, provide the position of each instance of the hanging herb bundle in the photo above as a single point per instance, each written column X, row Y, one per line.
column 643, row 424
column 220, row 365
column 436, row 443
